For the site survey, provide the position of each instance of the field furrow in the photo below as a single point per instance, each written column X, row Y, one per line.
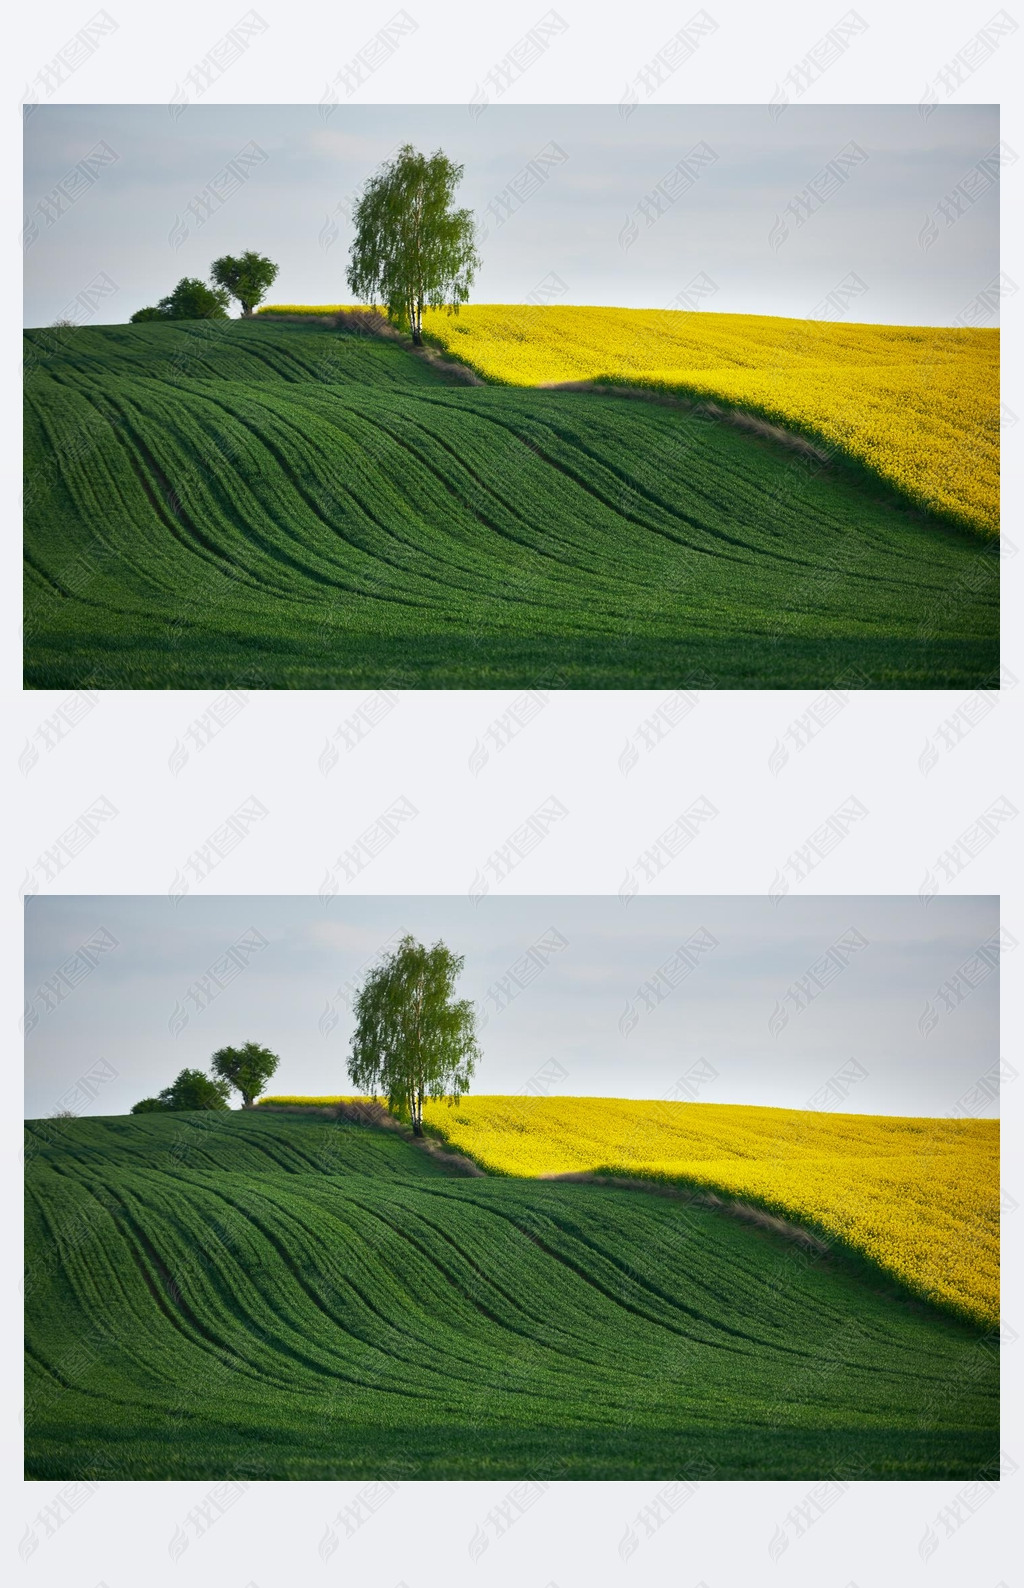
column 317, row 506
column 292, row 1296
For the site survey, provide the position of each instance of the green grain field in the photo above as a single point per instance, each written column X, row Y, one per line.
column 268, row 1295
column 292, row 506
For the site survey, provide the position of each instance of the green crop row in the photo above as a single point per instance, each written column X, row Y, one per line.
column 318, row 507
column 323, row 1299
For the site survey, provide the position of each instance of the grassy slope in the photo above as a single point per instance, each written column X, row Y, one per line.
column 917, row 1197
column 917, row 405
column 279, row 1296
column 299, row 507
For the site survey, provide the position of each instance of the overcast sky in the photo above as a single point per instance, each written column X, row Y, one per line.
column 581, row 216
column 731, row 999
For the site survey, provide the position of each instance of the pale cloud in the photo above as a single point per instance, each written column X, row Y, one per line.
column 345, row 936
column 600, row 987
column 570, row 224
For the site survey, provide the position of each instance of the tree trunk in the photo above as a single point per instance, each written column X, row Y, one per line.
column 417, row 340
column 246, row 311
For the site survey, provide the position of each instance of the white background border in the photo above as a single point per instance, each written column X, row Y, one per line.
column 421, row 750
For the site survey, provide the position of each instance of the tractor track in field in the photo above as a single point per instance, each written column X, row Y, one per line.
column 351, row 498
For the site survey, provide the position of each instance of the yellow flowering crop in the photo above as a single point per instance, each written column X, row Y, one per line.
column 309, row 1102
column 304, row 308
column 919, row 1196
column 918, row 405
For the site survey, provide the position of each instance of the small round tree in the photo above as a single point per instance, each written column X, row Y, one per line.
column 194, row 1090
column 247, row 1069
column 247, row 278
column 191, row 299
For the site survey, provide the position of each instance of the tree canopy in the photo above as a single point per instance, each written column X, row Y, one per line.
column 413, row 1038
column 247, row 278
column 247, row 1069
column 191, row 299
column 411, row 247
column 191, row 1090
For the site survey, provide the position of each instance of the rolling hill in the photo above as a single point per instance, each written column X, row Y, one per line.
column 918, row 405
column 290, row 505
column 919, row 1198
column 262, row 1295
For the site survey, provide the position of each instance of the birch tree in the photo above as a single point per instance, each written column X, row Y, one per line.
column 413, row 1039
column 411, row 247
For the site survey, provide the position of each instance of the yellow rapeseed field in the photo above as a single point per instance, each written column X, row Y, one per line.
column 919, row 1196
column 308, row 1102
column 918, row 405
column 304, row 308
